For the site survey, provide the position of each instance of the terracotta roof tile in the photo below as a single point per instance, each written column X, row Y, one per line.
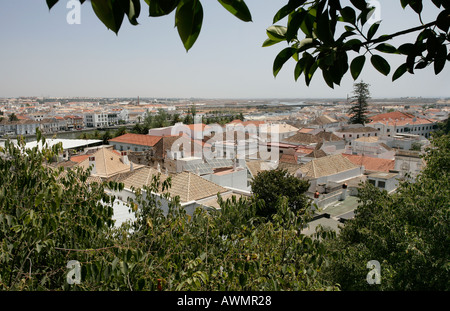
column 137, row 139
column 326, row 166
column 371, row 164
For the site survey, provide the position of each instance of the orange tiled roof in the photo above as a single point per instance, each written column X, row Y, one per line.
column 137, row 139
column 395, row 115
column 288, row 158
column 79, row 158
column 418, row 121
column 371, row 164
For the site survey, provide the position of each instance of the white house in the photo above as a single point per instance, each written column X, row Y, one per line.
column 384, row 180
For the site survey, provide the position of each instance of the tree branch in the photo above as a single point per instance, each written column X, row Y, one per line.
column 400, row 33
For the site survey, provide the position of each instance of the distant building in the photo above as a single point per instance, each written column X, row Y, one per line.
column 408, row 163
column 192, row 190
column 325, row 171
column 134, row 142
column 350, row 133
column 106, row 164
column 96, row 120
column 383, row 180
column 392, row 123
column 20, row 127
column 324, row 122
column 371, row 146
column 371, row 164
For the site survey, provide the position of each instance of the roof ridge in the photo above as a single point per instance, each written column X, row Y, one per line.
column 188, row 186
column 104, row 160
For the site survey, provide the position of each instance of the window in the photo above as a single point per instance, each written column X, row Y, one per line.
column 381, row 184
column 372, row 182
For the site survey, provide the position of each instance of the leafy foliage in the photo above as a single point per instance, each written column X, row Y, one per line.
column 407, row 232
column 49, row 217
column 322, row 34
column 271, row 185
column 43, row 210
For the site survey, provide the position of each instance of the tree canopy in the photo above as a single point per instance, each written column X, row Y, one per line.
column 50, row 217
column 407, row 232
column 272, row 185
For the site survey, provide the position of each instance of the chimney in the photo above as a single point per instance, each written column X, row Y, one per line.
column 92, row 163
column 124, row 157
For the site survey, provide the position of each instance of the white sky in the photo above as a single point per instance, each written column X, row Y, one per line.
column 42, row 55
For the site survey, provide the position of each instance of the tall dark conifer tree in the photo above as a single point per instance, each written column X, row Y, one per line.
column 359, row 110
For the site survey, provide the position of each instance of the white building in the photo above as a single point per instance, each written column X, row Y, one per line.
column 385, row 181
column 96, row 120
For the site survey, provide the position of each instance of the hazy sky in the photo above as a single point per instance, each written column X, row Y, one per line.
column 42, row 55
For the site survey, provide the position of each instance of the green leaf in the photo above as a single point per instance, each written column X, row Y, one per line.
column 51, row 3
column 380, row 64
column 310, row 69
column 282, row 58
column 124, row 268
column 323, row 30
column 443, row 20
column 348, row 14
column 357, row 65
column 238, row 8
column 404, row 3
column 110, row 13
column 399, row 72
column 299, row 68
column 295, row 20
column 161, row 7
column 133, row 9
column 328, row 78
column 372, row 30
column 386, row 48
column 287, row 9
column 269, row 42
column 359, row 4
column 188, row 20
column 440, row 60
column 276, row 33
column 353, row 44
column 421, row 64
column 406, row 48
column 416, row 5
